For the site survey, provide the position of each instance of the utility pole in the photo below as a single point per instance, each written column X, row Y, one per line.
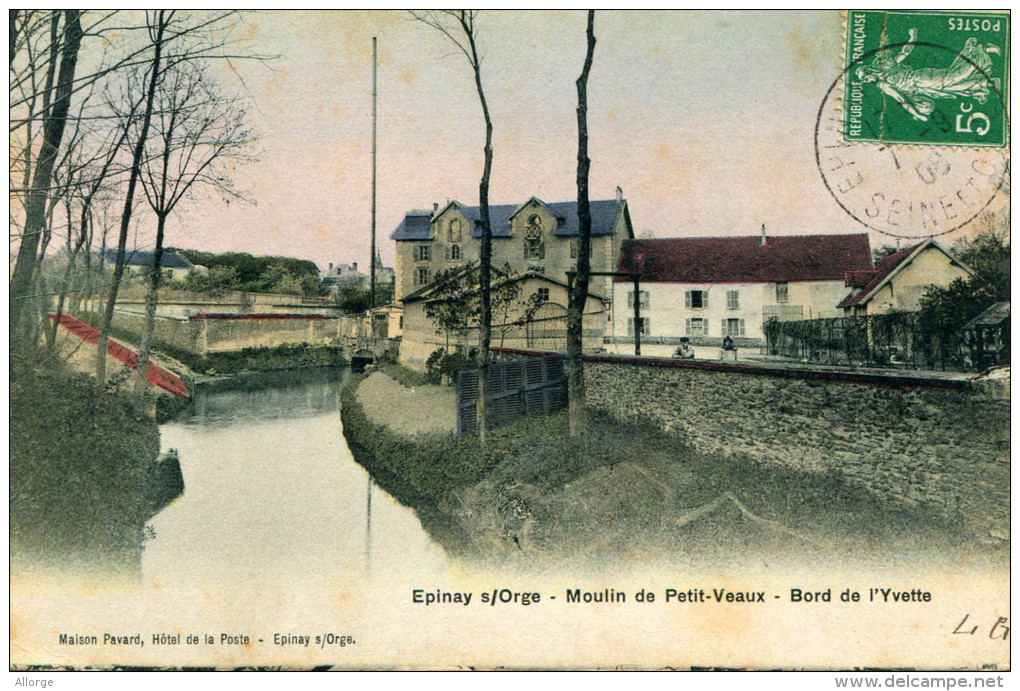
column 372, row 270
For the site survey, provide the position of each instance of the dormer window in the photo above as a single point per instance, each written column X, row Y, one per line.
column 455, row 230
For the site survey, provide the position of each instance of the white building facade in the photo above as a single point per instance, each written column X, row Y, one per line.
column 710, row 288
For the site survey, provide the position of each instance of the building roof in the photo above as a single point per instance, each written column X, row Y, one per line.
column 993, row 316
column 604, row 213
column 889, row 267
column 169, row 260
column 744, row 259
column 867, row 281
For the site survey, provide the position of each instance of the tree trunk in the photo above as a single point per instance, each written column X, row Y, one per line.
column 151, row 300
column 579, row 288
column 485, row 254
column 125, row 219
column 54, row 120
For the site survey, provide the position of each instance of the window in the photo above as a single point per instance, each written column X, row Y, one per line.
column 645, row 326
column 453, row 253
column 534, row 249
column 696, row 326
column 422, row 253
column 732, row 299
column 574, row 245
column 455, row 230
column 642, row 297
column 542, row 295
column 421, row 276
column 782, row 292
column 696, row 299
column 733, row 327
column 170, row 273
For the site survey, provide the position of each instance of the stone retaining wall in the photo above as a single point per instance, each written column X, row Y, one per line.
column 938, row 446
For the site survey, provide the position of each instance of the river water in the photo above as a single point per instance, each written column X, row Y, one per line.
column 273, row 497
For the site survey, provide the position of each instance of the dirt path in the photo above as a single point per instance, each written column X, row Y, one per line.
column 408, row 410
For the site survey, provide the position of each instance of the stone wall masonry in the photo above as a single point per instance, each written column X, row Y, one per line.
column 228, row 335
column 934, row 443
column 181, row 333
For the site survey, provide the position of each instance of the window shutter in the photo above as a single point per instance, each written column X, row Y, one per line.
column 525, row 249
column 541, row 250
column 447, row 253
column 688, row 325
column 687, row 303
column 704, row 299
column 741, row 327
column 646, row 326
column 725, row 330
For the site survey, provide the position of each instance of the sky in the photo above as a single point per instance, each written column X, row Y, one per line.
column 704, row 119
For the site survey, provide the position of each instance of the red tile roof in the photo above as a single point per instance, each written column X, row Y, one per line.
column 745, row 260
column 878, row 274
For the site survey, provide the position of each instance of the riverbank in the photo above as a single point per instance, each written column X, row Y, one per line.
column 624, row 492
column 84, row 476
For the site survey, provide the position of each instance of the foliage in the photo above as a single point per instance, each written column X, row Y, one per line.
column 78, row 460
column 441, row 365
column 355, row 299
column 454, row 300
column 217, row 282
column 259, row 274
column 945, row 310
column 988, row 254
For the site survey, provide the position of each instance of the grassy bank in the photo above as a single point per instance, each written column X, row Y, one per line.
column 626, row 488
column 80, row 471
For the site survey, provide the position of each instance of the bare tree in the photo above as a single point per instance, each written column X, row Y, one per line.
column 157, row 30
column 579, row 289
column 196, row 128
column 56, row 108
column 460, row 27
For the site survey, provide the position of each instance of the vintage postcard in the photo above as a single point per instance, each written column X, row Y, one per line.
column 348, row 340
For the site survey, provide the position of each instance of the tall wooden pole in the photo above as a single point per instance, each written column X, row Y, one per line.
column 372, row 271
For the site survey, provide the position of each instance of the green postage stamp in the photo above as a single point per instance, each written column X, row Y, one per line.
column 916, row 77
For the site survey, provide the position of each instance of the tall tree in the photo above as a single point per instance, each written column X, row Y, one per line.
column 579, row 288
column 55, row 110
column 196, row 127
column 157, row 31
column 460, row 27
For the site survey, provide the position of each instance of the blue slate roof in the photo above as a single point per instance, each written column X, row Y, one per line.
column 415, row 225
column 170, row 260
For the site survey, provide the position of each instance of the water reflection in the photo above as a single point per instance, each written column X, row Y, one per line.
column 273, row 496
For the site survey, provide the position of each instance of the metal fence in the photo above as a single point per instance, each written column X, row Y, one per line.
column 516, row 388
column 888, row 340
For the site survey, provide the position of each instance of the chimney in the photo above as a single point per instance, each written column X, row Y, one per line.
column 619, row 193
column 762, row 234
column 354, row 266
column 435, row 207
column 331, row 266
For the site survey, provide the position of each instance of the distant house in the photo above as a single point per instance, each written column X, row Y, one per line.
column 535, row 320
column 897, row 283
column 532, row 237
column 707, row 288
column 173, row 263
column 344, row 275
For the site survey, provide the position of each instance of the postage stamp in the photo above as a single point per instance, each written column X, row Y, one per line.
column 927, row 77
